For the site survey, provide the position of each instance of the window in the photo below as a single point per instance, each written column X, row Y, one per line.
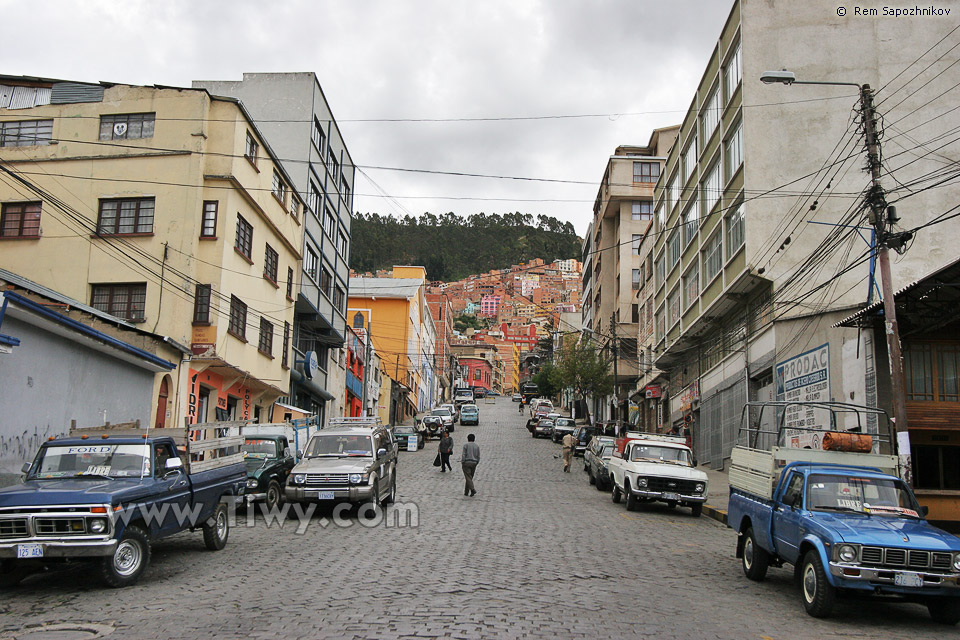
column 285, row 357
column 318, row 136
column 690, row 159
column 691, row 222
column 270, row 264
column 641, row 210
column 712, row 257
column 648, row 172
column 338, row 297
column 201, row 304
column 660, row 219
column 673, row 248
column 20, row 220
column 710, row 116
column 712, row 187
column 251, row 148
column 733, row 151
column 936, row 467
column 208, row 225
column 635, row 273
column 734, row 230
column 691, row 286
column 127, row 126
column 25, row 133
column 244, row 240
column 329, row 224
column 476, row 374
column 126, row 216
column 342, row 244
column 635, row 314
column 265, row 344
column 649, row 266
column 672, row 193
column 661, row 327
column 345, row 188
column 279, row 188
column 334, row 167
column 635, row 240
column 313, row 199
column 290, row 282
column 310, row 263
column 733, row 72
column 326, row 281
column 294, row 208
column 126, row 301
column 673, row 307
column 238, row 318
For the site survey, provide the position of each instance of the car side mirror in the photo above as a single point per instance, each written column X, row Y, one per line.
column 381, row 453
column 25, row 468
column 924, row 510
column 172, row 464
column 695, row 463
column 299, row 453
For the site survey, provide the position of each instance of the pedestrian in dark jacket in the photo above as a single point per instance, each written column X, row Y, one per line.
column 446, row 448
column 469, row 462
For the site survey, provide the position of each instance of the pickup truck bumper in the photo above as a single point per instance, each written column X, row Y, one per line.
column 665, row 495
column 883, row 579
column 360, row 493
column 250, row 498
column 63, row 548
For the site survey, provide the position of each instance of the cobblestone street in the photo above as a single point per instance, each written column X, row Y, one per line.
column 537, row 553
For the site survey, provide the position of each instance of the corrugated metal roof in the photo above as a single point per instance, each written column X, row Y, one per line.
column 385, row 287
column 72, row 92
column 17, row 97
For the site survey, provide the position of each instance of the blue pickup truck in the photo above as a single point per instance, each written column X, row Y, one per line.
column 106, row 495
column 846, row 522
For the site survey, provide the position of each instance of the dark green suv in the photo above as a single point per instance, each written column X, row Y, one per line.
column 269, row 461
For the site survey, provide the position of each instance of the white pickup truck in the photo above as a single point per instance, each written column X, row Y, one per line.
column 647, row 467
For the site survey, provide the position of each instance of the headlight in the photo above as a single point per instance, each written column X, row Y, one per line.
column 956, row 562
column 299, row 478
column 252, row 484
column 699, row 488
column 98, row 525
column 642, row 482
column 847, row 553
column 357, row 478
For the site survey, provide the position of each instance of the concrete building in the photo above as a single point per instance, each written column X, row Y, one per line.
column 294, row 115
column 757, row 256
column 622, row 215
column 166, row 208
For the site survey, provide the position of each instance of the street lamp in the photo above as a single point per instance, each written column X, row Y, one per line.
column 879, row 217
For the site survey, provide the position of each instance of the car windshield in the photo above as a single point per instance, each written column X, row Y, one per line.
column 95, row 460
column 565, row 422
column 661, row 454
column 441, row 412
column 855, row 494
column 259, row 448
column 469, row 409
column 606, row 451
column 339, row 445
column 405, row 431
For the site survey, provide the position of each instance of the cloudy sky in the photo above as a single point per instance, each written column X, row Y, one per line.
column 630, row 65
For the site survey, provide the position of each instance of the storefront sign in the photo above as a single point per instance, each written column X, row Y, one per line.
column 689, row 395
column 203, row 339
column 805, row 378
column 653, row 391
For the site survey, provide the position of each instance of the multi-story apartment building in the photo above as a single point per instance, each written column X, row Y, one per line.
column 622, row 215
column 293, row 114
column 166, row 208
column 441, row 310
column 758, row 257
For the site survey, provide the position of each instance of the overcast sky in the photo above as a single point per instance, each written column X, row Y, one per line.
column 417, row 59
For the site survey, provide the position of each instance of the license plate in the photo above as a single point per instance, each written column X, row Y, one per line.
column 325, row 495
column 907, row 580
column 671, row 496
column 29, row 550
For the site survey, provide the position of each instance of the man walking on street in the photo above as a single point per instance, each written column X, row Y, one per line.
column 569, row 445
column 446, row 449
column 469, row 462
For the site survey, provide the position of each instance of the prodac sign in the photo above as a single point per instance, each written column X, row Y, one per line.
column 805, row 378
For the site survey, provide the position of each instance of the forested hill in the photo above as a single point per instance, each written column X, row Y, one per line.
column 453, row 247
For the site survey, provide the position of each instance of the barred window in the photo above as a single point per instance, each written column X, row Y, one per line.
column 673, row 307
column 290, row 282
column 712, row 188
column 208, row 225
column 691, row 286
column 733, row 151
column 285, row 357
column 712, row 257
column 734, row 230
column 265, row 344
column 238, row 318
column 201, row 304
column 270, row 264
column 126, row 216
column 733, row 72
column 127, row 126
column 26, row 133
column 710, row 116
column 244, row 239
column 673, row 248
column 689, row 160
column 126, row 301
column 691, row 222
column 20, row 220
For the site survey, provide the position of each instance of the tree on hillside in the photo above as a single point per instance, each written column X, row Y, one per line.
column 581, row 368
column 462, row 323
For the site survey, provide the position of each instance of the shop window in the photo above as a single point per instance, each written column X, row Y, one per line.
column 936, row 467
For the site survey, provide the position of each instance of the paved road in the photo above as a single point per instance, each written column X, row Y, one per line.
column 536, row 554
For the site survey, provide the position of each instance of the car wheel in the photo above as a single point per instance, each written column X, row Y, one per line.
column 274, row 495
column 755, row 558
column 590, row 478
column 696, row 509
column 11, row 573
column 392, row 496
column 127, row 562
column 601, row 486
column 216, row 533
column 633, row 502
column 615, row 495
column 944, row 610
column 819, row 595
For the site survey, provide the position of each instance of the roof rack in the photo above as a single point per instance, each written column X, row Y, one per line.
column 361, row 421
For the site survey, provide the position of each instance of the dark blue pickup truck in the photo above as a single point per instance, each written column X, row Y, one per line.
column 106, row 495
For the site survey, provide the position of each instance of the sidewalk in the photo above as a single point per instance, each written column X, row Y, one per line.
column 718, row 492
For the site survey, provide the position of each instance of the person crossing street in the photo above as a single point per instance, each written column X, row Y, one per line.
column 569, row 446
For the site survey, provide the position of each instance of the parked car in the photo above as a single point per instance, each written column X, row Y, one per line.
column 479, row 392
column 433, row 425
column 647, row 467
column 561, row 427
column 446, row 417
column 454, row 410
column 583, row 435
column 268, row 460
column 543, row 428
column 543, row 408
column 517, row 397
column 595, row 460
column 402, row 433
column 469, row 414
column 356, row 464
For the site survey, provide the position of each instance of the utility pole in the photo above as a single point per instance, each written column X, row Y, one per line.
column 613, row 341
column 880, row 220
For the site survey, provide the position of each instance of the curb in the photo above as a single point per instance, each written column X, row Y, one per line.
column 719, row 515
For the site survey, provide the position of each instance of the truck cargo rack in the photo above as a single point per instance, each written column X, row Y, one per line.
column 749, row 433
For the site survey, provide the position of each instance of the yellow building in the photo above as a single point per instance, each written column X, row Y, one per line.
column 163, row 207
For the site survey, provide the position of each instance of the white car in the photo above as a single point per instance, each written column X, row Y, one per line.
column 453, row 409
column 655, row 467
